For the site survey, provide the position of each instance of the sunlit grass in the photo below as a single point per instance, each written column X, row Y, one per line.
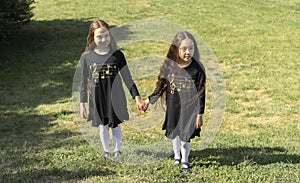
column 256, row 44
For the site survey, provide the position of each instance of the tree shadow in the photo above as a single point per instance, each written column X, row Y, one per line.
column 235, row 156
column 37, row 68
column 42, row 58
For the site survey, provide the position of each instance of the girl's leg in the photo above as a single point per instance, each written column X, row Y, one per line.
column 176, row 149
column 185, row 151
column 117, row 137
column 104, row 137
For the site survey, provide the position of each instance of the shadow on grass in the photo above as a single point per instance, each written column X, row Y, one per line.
column 54, row 175
column 39, row 62
column 37, row 68
column 238, row 155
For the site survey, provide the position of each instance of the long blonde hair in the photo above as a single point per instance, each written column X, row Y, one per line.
column 90, row 37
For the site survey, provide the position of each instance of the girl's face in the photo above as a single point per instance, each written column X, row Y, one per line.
column 186, row 49
column 101, row 37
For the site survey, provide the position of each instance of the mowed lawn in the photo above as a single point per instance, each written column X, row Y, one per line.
column 256, row 46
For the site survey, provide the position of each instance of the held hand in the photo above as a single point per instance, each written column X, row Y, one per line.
column 145, row 107
column 140, row 103
column 83, row 111
column 199, row 121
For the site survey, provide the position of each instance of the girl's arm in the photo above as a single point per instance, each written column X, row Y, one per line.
column 161, row 86
column 162, row 82
column 83, row 87
column 84, row 80
column 83, row 113
column 126, row 75
column 127, row 78
column 199, row 121
column 201, row 82
column 202, row 103
column 159, row 90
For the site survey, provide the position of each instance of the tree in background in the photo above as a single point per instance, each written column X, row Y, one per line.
column 14, row 14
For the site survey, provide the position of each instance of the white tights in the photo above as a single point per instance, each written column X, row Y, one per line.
column 104, row 137
column 183, row 147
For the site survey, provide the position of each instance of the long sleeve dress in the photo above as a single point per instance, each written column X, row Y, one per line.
column 101, row 87
column 185, row 98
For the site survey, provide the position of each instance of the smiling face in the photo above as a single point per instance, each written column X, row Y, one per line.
column 186, row 50
column 102, row 37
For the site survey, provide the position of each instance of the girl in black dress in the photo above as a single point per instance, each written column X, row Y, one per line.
column 182, row 81
column 102, row 66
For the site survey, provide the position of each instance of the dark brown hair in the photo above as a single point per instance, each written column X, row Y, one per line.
column 174, row 47
column 90, row 37
column 172, row 58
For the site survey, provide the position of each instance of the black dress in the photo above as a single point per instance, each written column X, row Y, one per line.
column 101, row 86
column 182, row 99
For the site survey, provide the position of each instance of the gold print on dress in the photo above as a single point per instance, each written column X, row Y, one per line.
column 102, row 71
column 172, row 85
column 108, row 71
column 95, row 74
column 180, row 83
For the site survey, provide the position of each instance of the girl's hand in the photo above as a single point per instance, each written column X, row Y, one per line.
column 146, row 104
column 199, row 121
column 140, row 103
column 83, row 111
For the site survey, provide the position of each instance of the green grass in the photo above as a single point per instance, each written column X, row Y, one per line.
column 257, row 47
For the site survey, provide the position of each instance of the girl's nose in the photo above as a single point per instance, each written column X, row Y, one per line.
column 187, row 51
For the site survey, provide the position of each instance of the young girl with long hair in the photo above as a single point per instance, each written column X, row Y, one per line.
column 182, row 81
column 102, row 66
